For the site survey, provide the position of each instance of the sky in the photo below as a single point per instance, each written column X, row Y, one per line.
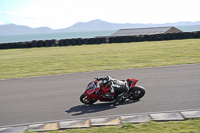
column 57, row 14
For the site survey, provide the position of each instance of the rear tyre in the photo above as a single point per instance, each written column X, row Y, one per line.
column 136, row 92
column 84, row 99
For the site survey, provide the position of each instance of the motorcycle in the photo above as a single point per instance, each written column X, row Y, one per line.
column 92, row 93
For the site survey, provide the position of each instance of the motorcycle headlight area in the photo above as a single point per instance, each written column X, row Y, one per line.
column 91, row 86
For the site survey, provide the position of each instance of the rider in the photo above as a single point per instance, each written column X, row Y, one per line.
column 119, row 87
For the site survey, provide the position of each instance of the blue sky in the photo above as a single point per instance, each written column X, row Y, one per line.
column 58, row 14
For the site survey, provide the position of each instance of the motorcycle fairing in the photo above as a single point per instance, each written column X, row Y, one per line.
column 104, row 91
column 92, row 93
column 133, row 82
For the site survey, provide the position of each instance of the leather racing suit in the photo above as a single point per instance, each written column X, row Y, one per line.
column 118, row 88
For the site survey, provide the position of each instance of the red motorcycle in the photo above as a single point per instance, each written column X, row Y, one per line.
column 92, row 93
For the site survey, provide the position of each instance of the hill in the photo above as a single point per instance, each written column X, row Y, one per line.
column 94, row 25
column 12, row 29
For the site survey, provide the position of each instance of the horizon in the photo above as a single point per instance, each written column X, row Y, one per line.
column 59, row 14
column 108, row 22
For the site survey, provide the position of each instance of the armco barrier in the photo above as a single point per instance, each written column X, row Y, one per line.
column 99, row 40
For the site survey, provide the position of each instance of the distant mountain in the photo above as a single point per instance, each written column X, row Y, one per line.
column 12, row 29
column 94, row 25
column 97, row 25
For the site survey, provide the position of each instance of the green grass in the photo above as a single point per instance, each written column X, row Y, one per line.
column 16, row 63
column 189, row 126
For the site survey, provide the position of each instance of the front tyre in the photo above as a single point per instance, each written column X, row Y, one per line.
column 84, row 99
column 136, row 92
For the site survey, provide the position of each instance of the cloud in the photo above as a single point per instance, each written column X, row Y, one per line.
column 18, row 18
column 1, row 23
column 11, row 13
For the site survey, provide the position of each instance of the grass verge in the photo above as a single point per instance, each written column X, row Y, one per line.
column 54, row 60
column 188, row 126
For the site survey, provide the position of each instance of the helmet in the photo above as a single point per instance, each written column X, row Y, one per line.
column 106, row 82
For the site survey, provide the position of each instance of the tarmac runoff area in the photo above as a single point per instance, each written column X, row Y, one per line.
column 104, row 121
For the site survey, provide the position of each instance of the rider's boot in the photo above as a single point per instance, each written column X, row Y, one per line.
column 125, row 97
column 117, row 99
column 121, row 98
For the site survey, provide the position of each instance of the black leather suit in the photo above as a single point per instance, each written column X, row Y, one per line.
column 119, row 88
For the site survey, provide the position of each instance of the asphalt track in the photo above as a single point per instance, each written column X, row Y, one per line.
column 56, row 97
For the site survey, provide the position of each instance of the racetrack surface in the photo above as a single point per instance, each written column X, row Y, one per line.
column 56, row 97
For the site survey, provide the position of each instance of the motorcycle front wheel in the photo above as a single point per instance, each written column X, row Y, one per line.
column 84, row 99
column 136, row 92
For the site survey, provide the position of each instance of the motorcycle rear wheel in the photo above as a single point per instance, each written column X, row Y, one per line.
column 136, row 92
column 84, row 99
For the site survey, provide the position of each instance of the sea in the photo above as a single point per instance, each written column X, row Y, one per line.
column 69, row 35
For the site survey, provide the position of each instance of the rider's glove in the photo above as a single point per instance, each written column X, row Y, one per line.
column 98, row 78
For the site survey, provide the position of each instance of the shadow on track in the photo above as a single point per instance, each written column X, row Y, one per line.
column 92, row 108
